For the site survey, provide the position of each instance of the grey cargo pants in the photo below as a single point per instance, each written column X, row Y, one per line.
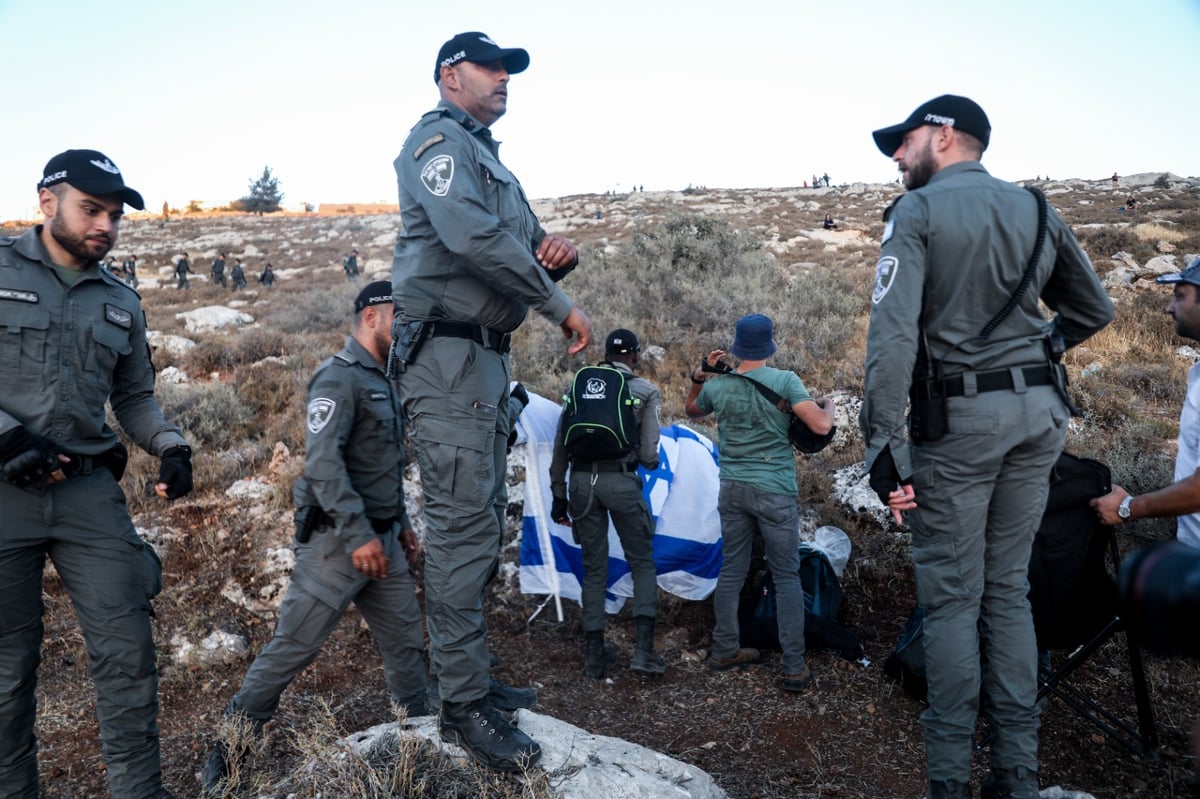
column 83, row 525
column 455, row 399
column 324, row 583
column 981, row 492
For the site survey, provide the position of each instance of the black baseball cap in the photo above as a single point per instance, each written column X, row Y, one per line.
column 1189, row 275
column 377, row 293
column 91, row 172
column 620, row 341
column 960, row 113
column 479, row 48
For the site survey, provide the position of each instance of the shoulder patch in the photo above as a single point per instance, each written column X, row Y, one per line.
column 436, row 138
column 437, row 175
column 885, row 275
column 320, row 411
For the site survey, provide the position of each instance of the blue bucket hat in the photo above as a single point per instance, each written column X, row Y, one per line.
column 752, row 338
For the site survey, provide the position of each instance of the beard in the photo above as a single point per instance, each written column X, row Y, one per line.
column 88, row 249
column 918, row 170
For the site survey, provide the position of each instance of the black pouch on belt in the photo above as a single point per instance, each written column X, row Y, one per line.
column 115, row 460
column 927, row 411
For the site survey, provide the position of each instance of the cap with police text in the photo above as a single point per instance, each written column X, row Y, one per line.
column 479, row 48
column 92, row 173
column 1189, row 275
column 377, row 293
column 620, row 341
column 960, row 113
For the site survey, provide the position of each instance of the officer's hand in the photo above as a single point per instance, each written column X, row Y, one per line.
column 556, row 251
column 559, row 512
column 175, row 473
column 578, row 324
column 27, row 459
column 369, row 559
column 520, row 394
column 412, row 548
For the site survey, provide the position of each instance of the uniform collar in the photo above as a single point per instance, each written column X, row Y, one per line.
column 620, row 366
column 460, row 116
column 29, row 244
column 958, row 168
column 358, row 353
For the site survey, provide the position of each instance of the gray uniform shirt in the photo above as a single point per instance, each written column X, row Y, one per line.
column 649, row 415
column 466, row 252
column 67, row 350
column 954, row 252
column 354, row 459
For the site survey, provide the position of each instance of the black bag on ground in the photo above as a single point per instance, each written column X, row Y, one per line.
column 599, row 415
column 758, row 611
column 906, row 664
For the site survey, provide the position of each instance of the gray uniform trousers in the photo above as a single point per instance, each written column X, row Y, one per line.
column 83, row 525
column 324, row 583
column 981, row 493
column 594, row 496
column 455, row 400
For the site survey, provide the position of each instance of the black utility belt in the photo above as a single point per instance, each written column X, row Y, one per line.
column 113, row 459
column 380, row 526
column 603, row 466
column 996, row 380
column 485, row 336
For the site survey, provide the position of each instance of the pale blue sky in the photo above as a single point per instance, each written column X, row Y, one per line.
column 192, row 99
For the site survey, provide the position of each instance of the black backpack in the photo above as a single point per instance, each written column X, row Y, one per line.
column 758, row 612
column 599, row 415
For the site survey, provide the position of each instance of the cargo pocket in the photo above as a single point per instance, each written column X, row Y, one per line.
column 456, row 459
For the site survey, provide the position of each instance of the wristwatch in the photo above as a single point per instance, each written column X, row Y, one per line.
column 1123, row 509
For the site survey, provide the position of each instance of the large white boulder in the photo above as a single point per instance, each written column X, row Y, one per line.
column 213, row 317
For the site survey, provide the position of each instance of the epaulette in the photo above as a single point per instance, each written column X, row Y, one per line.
column 344, row 359
column 116, row 281
column 7, row 241
column 887, row 212
column 432, row 140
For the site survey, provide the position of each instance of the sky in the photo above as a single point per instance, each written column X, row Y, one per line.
column 192, row 99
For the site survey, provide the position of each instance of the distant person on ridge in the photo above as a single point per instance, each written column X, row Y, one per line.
column 350, row 265
column 237, row 275
column 829, row 224
column 182, row 270
column 218, row 270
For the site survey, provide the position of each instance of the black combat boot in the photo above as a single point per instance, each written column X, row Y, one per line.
column 949, row 789
column 487, row 736
column 507, row 698
column 1010, row 783
column 645, row 659
column 599, row 655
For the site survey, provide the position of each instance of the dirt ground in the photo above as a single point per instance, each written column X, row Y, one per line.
column 854, row 734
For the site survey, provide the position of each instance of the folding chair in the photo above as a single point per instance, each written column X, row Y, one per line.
column 1073, row 592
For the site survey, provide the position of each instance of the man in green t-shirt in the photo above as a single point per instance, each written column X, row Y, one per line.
column 758, row 490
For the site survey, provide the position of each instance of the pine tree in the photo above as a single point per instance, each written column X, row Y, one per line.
column 265, row 196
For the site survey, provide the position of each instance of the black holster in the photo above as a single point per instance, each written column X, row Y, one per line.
column 927, row 408
column 407, row 338
column 1055, row 347
column 307, row 519
column 115, row 460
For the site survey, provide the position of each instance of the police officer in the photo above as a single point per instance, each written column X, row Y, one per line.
column 130, row 267
column 955, row 250
column 350, row 265
column 75, row 340
column 238, row 275
column 182, row 270
column 353, row 533
column 218, row 270
column 469, row 262
column 601, row 489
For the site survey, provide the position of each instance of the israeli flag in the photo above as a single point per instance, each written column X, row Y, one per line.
column 682, row 495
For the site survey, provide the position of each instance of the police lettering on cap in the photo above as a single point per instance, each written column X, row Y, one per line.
column 959, row 113
column 377, row 293
column 620, row 341
column 478, row 48
column 1189, row 275
column 91, row 172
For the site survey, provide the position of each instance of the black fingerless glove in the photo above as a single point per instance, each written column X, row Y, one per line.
column 884, row 478
column 520, row 395
column 176, row 471
column 559, row 511
column 27, row 459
